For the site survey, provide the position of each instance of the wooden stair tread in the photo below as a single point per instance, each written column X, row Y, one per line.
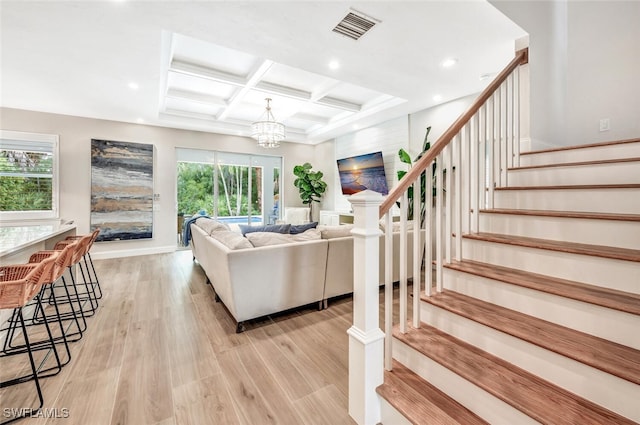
column 625, row 254
column 567, row 214
column 526, row 392
column 590, row 145
column 605, row 297
column 573, row 186
column 578, row 163
column 420, row 402
column 610, row 357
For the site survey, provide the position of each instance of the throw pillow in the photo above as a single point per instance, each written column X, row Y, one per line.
column 210, row 225
column 307, row 235
column 231, row 239
column 258, row 239
column 331, row 232
column 275, row 228
column 300, row 228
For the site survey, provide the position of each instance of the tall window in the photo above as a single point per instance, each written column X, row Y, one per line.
column 235, row 188
column 28, row 175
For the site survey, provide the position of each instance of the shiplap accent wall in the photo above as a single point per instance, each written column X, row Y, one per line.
column 387, row 137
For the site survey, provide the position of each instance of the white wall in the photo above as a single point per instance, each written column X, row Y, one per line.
column 584, row 61
column 387, row 137
column 324, row 160
column 75, row 168
column 439, row 118
column 604, row 70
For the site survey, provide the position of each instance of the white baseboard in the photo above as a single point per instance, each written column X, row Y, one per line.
column 105, row 255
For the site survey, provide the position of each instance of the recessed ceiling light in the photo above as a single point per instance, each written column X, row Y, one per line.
column 448, row 63
column 140, row 120
column 134, row 86
column 334, row 64
column 437, row 98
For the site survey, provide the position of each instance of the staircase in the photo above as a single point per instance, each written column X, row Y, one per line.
column 538, row 319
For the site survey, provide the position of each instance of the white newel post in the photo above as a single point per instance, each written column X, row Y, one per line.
column 366, row 339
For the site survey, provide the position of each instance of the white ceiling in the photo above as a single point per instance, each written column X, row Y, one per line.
column 208, row 65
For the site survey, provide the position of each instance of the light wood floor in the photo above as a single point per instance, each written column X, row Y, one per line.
column 161, row 351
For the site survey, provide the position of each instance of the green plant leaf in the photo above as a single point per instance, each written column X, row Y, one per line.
column 309, row 183
column 401, row 174
column 425, row 144
column 404, row 156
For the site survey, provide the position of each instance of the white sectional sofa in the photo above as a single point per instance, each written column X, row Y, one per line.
column 257, row 281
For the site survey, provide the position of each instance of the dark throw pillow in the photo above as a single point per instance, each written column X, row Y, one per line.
column 300, row 228
column 275, row 228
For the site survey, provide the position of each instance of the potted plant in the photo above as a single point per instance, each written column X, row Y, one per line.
column 310, row 185
column 406, row 159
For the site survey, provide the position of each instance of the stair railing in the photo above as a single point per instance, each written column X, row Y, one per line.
column 461, row 169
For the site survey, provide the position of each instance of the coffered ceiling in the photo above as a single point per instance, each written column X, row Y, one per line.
column 209, row 65
column 210, row 82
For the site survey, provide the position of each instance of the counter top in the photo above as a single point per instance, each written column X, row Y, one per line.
column 17, row 237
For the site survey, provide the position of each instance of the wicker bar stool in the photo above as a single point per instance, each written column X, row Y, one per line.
column 19, row 284
column 60, row 260
column 9, row 346
column 87, row 295
column 62, row 292
column 93, row 276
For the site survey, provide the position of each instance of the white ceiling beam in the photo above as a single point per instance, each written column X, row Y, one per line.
column 283, row 90
column 205, row 72
column 324, row 90
column 340, row 104
column 254, row 78
column 196, row 97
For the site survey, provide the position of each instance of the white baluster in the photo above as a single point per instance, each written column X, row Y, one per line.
column 428, row 232
column 417, row 251
column 439, row 247
column 404, row 208
column 448, row 203
column 388, row 288
column 458, row 203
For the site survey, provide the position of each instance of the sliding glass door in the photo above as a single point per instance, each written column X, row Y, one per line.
column 234, row 188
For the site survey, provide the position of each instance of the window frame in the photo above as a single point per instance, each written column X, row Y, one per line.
column 25, row 138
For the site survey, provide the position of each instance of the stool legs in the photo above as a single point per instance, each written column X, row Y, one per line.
column 21, row 379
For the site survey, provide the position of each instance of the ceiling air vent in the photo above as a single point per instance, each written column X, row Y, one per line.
column 355, row 25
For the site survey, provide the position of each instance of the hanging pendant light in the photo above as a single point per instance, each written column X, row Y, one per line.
column 268, row 132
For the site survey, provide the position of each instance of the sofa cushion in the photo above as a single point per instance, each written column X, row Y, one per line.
column 231, row 239
column 268, row 238
column 275, row 228
column 307, row 235
column 331, row 232
column 210, row 225
column 300, row 228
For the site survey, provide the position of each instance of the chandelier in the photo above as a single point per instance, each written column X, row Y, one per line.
column 268, row 132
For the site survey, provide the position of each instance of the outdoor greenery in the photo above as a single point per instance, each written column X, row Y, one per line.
column 25, row 181
column 195, row 189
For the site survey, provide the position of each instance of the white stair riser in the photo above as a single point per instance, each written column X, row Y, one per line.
column 616, row 200
column 615, row 233
column 613, row 325
column 605, row 272
column 480, row 402
column 614, row 173
column 625, row 150
column 390, row 415
column 599, row 387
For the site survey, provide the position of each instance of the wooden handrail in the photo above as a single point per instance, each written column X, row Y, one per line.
column 422, row 164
